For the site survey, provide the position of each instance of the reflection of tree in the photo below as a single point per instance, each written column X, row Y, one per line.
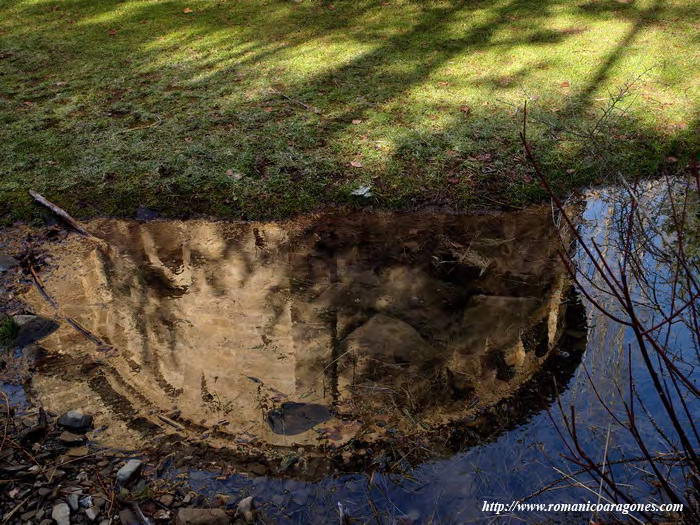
column 409, row 322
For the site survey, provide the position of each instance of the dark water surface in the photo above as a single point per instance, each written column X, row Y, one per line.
column 402, row 366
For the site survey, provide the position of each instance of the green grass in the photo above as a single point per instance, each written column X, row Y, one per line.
column 8, row 331
column 259, row 109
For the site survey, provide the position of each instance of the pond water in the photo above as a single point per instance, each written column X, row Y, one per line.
column 404, row 366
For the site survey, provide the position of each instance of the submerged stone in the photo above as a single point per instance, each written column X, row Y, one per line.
column 294, row 418
column 32, row 328
column 130, row 468
column 75, row 420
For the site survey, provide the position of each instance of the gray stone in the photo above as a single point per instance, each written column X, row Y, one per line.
column 73, row 501
column 130, row 468
column 7, row 262
column 202, row 517
column 246, row 509
column 28, row 515
column 127, row 517
column 32, row 328
column 75, row 420
column 61, row 514
column 92, row 513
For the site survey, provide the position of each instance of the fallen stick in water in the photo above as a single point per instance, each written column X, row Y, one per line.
column 65, row 216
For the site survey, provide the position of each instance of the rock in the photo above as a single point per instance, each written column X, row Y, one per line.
column 28, row 515
column 105, row 522
column 75, row 420
column 73, row 501
column 44, row 491
column 46, row 522
column 166, row 499
column 7, row 262
column 162, row 515
column 127, row 517
column 362, row 191
column 130, row 468
column 92, row 513
column 294, row 418
column 61, row 514
column 246, row 509
column 68, row 438
column 33, row 353
column 87, row 502
column 202, row 517
column 32, row 328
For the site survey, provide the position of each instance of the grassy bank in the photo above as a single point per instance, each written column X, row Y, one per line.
column 261, row 109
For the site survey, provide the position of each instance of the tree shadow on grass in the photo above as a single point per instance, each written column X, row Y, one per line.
column 290, row 137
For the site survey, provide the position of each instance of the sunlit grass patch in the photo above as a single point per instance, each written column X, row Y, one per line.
column 105, row 105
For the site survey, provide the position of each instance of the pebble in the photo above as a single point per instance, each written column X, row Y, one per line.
column 73, row 501
column 166, row 500
column 246, row 509
column 32, row 328
column 127, row 517
column 75, row 420
column 28, row 515
column 130, row 468
column 61, row 514
column 92, row 513
column 7, row 262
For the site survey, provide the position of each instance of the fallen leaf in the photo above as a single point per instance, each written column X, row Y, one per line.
column 187, row 10
column 356, row 164
column 268, row 109
column 484, row 157
column 443, row 84
column 453, row 180
column 465, row 109
column 188, row 139
column 671, row 159
column 357, row 121
column 565, row 84
column 234, row 175
column 570, row 171
column 452, row 152
column 112, row 32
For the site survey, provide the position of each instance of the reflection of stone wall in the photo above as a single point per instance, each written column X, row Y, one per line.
column 388, row 319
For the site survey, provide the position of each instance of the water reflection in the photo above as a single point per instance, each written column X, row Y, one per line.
column 331, row 328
